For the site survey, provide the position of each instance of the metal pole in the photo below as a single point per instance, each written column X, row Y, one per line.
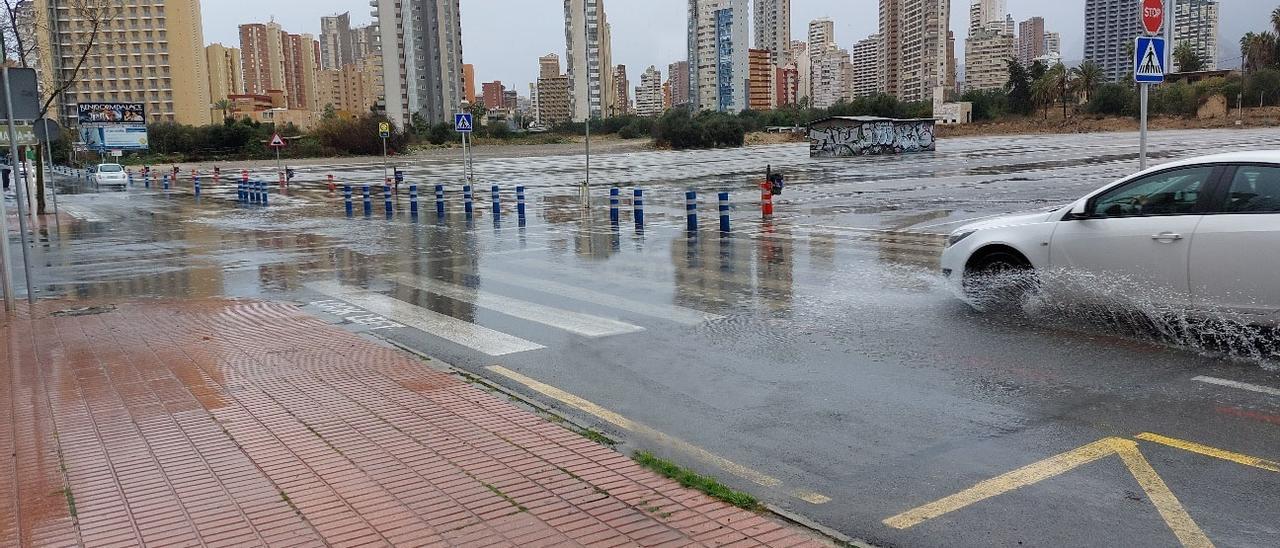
column 53, row 189
column 6, row 282
column 1142, row 126
column 384, row 159
column 279, row 173
column 1169, row 19
column 18, row 193
column 586, row 48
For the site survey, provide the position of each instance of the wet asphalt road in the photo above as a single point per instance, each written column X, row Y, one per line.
column 816, row 360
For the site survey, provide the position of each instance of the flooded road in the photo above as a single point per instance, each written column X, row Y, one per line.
column 815, row 359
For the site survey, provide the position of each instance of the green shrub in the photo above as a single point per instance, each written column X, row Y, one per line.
column 1113, row 100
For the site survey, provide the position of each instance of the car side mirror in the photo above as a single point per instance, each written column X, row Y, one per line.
column 1079, row 210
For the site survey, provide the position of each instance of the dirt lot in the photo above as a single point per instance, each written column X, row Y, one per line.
column 1083, row 123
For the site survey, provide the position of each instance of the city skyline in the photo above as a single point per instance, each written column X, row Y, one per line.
column 655, row 34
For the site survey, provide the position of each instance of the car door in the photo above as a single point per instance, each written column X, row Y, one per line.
column 1137, row 236
column 1235, row 255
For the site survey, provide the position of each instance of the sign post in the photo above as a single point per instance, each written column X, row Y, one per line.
column 278, row 143
column 1149, row 61
column 384, row 131
column 24, row 102
column 462, row 123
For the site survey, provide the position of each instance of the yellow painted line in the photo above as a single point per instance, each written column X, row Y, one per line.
column 1175, row 516
column 1004, row 483
column 620, row 421
column 1170, row 509
column 1214, row 452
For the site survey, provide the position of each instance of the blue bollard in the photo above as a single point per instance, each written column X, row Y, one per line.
column 691, row 209
column 724, row 212
column 265, row 188
column 166, row 182
column 196, row 187
column 255, row 191
column 413, row 200
column 466, row 199
column 520, row 204
column 368, row 202
column 240, row 192
column 497, row 202
column 386, row 198
column 637, row 205
column 614, row 195
column 130, row 178
column 346, row 199
column 146, row 181
column 440, row 200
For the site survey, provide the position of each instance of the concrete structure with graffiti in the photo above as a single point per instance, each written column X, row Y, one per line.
column 869, row 135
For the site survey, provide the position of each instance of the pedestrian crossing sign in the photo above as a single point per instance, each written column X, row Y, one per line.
column 1148, row 60
column 462, row 122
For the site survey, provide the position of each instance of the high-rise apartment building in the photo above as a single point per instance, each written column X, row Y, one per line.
column 1196, row 23
column 649, row 93
column 773, row 29
column 1031, row 40
column 337, row 47
column 865, row 58
column 786, row 83
column 469, row 82
column 492, row 94
column 551, row 103
column 226, row 76
column 991, row 45
column 760, row 87
column 678, row 76
column 1053, row 44
column 718, row 44
column 156, row 58
column 421, row 43
column 800, row 56
column 913, row 47
column 589, row 58
column 832, row 78
column 350, row 89
column 510, row 100
column 275, row 60
column 621, row 105
column 1109, row 29
column 549, row 66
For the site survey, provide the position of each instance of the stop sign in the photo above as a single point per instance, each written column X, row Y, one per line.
column 1152, row 16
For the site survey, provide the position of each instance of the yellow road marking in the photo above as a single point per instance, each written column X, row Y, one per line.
column 620, row 421
column 1175, row 516
column 1214, row 452
column 1170, row 509
column 1004, row 483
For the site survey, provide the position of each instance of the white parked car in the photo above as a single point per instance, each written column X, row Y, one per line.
column 110, row 175
column 1203, row 233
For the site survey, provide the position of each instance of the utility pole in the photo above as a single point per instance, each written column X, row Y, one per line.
column 17, row 188
column 586, row 49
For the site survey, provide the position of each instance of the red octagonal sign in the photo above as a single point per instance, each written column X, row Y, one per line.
column 1152, row 16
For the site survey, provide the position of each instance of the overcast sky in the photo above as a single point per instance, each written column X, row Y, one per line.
column 504, row 38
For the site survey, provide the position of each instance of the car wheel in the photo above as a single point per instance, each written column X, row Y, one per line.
column 999, row 280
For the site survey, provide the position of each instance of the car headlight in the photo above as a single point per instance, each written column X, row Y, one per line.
column 956, row 237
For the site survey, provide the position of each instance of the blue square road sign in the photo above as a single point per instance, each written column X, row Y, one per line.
column 462, row 122
column 1148, row 60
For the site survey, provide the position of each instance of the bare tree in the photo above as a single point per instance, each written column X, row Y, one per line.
column 25, row 32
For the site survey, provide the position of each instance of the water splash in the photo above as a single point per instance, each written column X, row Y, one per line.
column 1118, row 305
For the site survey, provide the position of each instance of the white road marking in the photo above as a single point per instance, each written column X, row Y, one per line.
column 481, row 339
column 675, row 313
column 573, row 322
column 1241, row 385
column 81, row 214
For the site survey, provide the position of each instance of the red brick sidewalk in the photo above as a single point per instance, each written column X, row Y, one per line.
column 233, row 423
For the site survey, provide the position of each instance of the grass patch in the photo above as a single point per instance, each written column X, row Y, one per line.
column 598, row 437
column 71, row 501
column 688, row 478
column 505, row 497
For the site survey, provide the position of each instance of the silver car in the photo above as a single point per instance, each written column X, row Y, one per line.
column 110, row 175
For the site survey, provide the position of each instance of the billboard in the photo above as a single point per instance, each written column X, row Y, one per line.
column 117, row 137
column 112, row 126
column 111, row 113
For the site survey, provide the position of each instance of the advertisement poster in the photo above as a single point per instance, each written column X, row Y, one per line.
column 111, row 113
column 103, row 137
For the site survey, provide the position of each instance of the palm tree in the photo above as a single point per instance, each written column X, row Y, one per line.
column 1042, row 92
column 1258, row 50
column 224, row 105
column 1088, row 76
column 1060, row 78
column 1275, row 20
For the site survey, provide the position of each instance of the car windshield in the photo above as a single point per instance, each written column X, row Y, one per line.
column 110, row 168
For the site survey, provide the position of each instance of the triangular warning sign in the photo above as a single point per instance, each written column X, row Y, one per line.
column 1151, row 63
column 276, row 141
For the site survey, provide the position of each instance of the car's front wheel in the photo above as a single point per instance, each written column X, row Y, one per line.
column 998, row 279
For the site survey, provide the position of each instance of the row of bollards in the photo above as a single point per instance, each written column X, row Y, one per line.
column 252, row 192
column 468, row 197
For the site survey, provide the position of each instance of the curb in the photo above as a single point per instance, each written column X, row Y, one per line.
column 835, row 537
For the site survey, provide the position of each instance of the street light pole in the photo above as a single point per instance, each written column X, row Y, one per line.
column 586, row 50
